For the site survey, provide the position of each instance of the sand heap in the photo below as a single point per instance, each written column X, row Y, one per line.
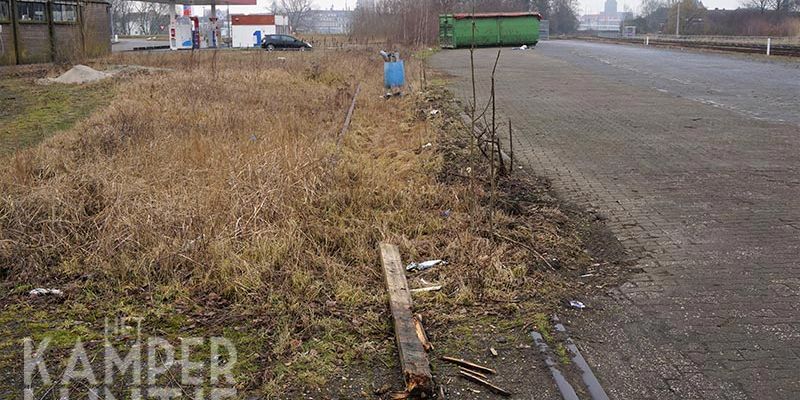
column 79, row 74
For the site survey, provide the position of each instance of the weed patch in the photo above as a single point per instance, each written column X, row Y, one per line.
column 206, row 202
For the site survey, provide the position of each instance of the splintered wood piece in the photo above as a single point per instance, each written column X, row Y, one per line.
column 423, row 337
column 413, row 359
column 469, row 365
column 475, row 378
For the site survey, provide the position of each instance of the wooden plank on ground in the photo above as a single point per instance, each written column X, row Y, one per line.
column 413, row 359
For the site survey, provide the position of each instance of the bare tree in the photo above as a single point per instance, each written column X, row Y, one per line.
column 149, row 16
column 121, row 11
column 541, row 6
column 760, row 5
column 693, row 16
column 648, row 7
column 784, row 6
column 297, row 11
column 563, row 16
column 416, row 21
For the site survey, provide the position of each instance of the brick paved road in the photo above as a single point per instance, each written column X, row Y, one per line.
column 768, row 90
column 707, row 196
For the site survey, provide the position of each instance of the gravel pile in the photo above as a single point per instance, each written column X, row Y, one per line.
column 79, row 74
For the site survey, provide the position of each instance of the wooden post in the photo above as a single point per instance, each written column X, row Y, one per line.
column 14, row 30
column 413, row 359
column 510, row 149
column 51, row 35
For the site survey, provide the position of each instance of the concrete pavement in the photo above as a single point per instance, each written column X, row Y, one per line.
column 130, row 44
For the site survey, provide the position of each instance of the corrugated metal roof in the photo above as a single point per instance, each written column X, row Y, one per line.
column 498, row 14
column 252, row 19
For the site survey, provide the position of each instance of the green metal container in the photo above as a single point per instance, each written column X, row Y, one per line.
column 491, row 29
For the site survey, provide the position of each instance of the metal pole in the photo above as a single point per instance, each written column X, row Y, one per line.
column 678, row 21
column 173, row 41
column 769, row 45
column 213, row 24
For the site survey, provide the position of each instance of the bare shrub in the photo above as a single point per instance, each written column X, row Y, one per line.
column 417, row 22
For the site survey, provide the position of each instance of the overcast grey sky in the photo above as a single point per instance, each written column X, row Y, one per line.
column 586, row 6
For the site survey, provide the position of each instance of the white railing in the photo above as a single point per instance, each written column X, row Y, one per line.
column 785, row 40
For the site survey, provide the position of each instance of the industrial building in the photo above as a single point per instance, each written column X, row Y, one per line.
column 609, row 20
column 329, row 22
column 35, row 31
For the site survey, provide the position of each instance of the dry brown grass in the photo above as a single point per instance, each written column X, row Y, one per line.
column 188, row 187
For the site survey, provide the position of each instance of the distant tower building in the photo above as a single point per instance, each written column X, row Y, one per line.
column 611, row 7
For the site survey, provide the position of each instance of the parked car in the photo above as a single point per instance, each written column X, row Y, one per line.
column 272, row 42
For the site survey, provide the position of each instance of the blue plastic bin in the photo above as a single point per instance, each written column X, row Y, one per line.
column 394, row 74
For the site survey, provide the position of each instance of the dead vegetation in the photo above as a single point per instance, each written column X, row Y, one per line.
column 207, row 198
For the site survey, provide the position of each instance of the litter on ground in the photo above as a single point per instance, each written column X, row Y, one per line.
column 577, row 304
column 45, row 292
column 424, row 265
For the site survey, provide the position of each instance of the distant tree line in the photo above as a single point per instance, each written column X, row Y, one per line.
column 754, row 18
column 139, row 18
column 417, row 21
column 297, row 10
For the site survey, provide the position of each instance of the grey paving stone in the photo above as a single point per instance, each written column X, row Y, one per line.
column 708, row 197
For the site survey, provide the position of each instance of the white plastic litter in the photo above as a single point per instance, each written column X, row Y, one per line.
column 434, row 112
column 523, row 47
column 426, row 145
column 45, row 292
column 424, row 265
column 577, row 304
